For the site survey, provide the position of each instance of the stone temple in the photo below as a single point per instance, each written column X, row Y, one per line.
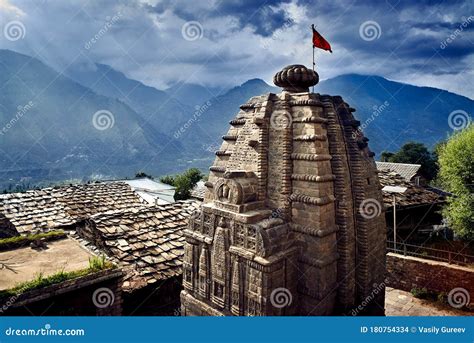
column 291, row 222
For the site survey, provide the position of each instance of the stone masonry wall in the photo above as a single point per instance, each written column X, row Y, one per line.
column 406, row 273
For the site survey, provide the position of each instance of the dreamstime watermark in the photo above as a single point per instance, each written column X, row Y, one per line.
column 459, row 119
column 280, row 120
column 109, row 22
column 21, row 111
column 14, row 30
column 199, row 111
column 103, row 297
column 466, row 22
column 370, row 30
column 280, row 212
column 370, row 208
column 13, row 298
column 281, row 297
column 459, row 297
column 377, row 111
column 210, row 147
column 192, row 30
column 45, row 331
column 103, row 120
column 377, row 288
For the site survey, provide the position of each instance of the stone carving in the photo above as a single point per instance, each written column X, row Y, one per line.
column 281, row 212
column 228, row 191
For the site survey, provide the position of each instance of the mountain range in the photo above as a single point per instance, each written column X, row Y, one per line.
column 92, row 121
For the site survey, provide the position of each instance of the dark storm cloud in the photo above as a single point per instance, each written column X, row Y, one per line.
column 263, row 16
column 423, row 42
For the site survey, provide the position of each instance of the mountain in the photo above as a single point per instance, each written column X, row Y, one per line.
column 195, row 95
column 48, row 130
column 173, row 110
column 392, row 113
column 158, row 111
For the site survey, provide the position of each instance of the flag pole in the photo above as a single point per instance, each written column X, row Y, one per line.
column 313, row 64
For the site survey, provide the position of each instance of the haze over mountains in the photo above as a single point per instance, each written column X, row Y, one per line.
column 56, row 138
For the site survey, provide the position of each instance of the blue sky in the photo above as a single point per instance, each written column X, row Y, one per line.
column 216, row 42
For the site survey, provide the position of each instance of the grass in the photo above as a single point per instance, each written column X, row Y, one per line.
column 423, row 293
column 420, row 293
column 20, row 241
column 95, row 264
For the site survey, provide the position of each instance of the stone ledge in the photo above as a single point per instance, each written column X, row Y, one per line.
column 431, row 262
column 66, row 286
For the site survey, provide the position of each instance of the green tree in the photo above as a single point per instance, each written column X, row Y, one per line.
column 168, row 179
column 194, row 175
column 415, row 153
column 183, row 186
column 456, row 174
column 183, row 183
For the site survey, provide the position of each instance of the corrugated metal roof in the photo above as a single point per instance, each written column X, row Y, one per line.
column 405, row 170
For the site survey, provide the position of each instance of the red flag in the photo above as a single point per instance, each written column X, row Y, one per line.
column 319, row 41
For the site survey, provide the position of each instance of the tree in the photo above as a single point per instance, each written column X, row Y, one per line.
column 183, row 183
column 385, row 156
column 143, row 174
column 183, row 186
column 415, row 153
column 168, row 179
column 194, row 175
column 456, row 174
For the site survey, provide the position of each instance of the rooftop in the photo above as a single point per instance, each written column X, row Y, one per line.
column 20, row 265
column 147, row 242
column 405, row 170
column 152, row 191
column 199, row 190
column 414, row 195
column 50, row 208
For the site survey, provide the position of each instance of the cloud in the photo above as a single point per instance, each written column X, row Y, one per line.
column 241, row 40
column 6, row 7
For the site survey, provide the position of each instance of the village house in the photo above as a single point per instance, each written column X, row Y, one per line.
column 418, row 208
column 409, row 172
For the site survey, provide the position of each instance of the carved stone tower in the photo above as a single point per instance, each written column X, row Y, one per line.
column 291, row 222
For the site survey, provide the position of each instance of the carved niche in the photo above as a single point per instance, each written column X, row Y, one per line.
column 236, row 292
column 228, row 191
column 188, row 273
column 235, row 190
column 204, row 272
column 220, row 263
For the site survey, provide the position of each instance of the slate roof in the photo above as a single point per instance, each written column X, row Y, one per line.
column 414, row 195
column 51, row 208
column 405, row 170
column 199, row 190
column 147, row 242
